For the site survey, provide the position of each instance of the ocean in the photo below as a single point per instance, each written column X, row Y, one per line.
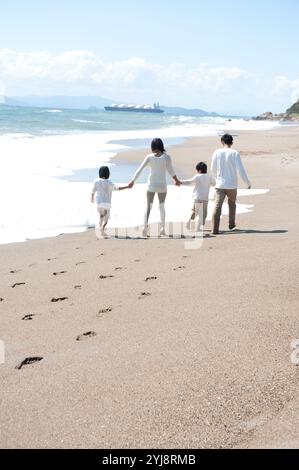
column 49, row 157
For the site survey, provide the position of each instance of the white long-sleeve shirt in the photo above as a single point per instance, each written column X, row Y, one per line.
column 226, row 164
column 158, row 168
column 201, row 183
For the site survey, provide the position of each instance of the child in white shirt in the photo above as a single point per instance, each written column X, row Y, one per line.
column 103, row 188
column 201, row 182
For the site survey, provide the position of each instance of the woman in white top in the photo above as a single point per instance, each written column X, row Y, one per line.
column 159, row 163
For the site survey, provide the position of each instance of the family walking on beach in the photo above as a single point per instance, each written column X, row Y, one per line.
column 225, row 167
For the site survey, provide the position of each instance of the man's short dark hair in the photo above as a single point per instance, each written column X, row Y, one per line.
column 227, row 139
column 202, row 167
column 104, row 172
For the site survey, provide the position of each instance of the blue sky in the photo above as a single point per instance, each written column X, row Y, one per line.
column 233, row 55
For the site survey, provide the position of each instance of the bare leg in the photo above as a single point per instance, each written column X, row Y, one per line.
column 162, row 197
column 149, row 202
column 104, row 217
column 192, row 217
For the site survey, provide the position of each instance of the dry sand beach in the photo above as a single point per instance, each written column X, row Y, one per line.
column 146, row 344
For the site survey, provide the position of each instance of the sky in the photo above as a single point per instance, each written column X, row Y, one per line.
column 229, row 56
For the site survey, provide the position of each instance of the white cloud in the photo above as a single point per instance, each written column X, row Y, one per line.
column 288, row 86
column 74, row 66
column 83, row 72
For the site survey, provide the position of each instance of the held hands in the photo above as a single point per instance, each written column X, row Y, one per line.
column 131, row 184
column 177, row 181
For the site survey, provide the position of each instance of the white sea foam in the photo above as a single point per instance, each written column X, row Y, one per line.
column 54, row 111
column 83, row 121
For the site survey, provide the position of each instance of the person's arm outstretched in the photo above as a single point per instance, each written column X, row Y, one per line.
column 93, row 192
column 138, row 172
column 171, row 171
column 188, row 182
column 120, row 188
column 242, row 171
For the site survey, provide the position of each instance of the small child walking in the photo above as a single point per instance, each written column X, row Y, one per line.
column 201, row 182
column 103, row 188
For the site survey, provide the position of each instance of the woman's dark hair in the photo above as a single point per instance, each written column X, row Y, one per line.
column 227, row 139
column 104, row 172
column 202, row 167
column 157, row 144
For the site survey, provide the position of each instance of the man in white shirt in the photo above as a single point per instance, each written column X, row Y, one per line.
column 226, row 164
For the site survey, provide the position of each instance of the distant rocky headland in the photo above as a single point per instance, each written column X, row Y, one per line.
column 291, row 114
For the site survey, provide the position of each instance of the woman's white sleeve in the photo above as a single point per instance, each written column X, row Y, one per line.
column 141, row 168
column 169, row 166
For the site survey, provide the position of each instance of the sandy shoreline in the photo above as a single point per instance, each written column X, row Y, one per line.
column 202, row 360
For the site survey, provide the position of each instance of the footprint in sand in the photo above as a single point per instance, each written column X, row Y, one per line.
column 88, row 334
column 58, row 299
column 58, row 273
column 105, row 277
column 1, row 299
column 51, row 259
column 137, row 260
column 118, row 268
column 287, row 160
column 179, row 268
column 144, row 294
column 14, row 271
column 151, row 278
column 80, row 262
column 77, row 287
column 102, row 311
column 28, row 317
column 186, row 256
column 18, row 284
column 28, row 361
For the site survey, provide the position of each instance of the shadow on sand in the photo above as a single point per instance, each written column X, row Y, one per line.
column 251, row 231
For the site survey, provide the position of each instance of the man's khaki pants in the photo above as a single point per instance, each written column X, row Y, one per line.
column 220, row 195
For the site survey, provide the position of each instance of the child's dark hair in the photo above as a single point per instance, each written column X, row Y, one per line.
column 104, row 172
column 227, row 139
column 202, row 167
column 157, row 144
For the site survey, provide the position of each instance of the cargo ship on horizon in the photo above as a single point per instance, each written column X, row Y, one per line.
column 139, row 108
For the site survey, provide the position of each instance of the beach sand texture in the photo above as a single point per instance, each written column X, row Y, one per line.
column 142, row 343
